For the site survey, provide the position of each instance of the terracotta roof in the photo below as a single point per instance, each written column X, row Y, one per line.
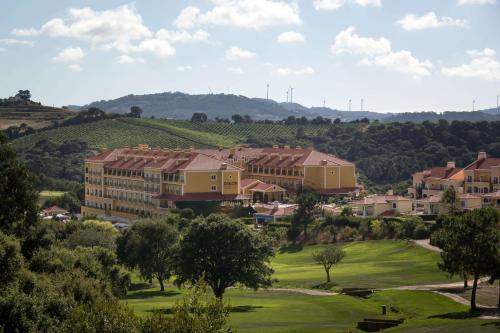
column 208, row 196
column 166, row 160
column 441, row 172
column 261, row 187
column 334, row 191
column 247, row 182
column 379, row 199
column 278, row 211
column 483, row 164
column 54, row 210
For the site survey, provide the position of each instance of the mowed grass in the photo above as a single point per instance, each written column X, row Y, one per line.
column 279, row 312
column 46, row 195
column 368, row 264
column 365, row 265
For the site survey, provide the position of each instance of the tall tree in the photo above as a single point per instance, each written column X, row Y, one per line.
column 304, row 214
column 18, row 208
column 150, row 246
column 25, row 95
column 199, row 117
column 223, row 252
column 135, row 111
column 470, row 245
column 328, row 257
column 450, row 199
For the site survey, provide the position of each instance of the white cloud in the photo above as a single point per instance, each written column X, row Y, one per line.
column 126, row 59
column 70, row 54
column 429, row 21
column 291, row 37
column 249, row 14
column 184, row 68
column 482, row 66
column 286, row 71
column 237, row 53
column 487, row 52
column 378, row 52
column 11, row 41
column 476, row 2
column 26, row 32
column 404, row 62
column 75, row 68
column 336, row 4
column 235, row 70
column 182, row 36
column 348, row 42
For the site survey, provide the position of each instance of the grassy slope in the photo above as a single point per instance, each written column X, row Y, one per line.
column 46, row 195
column 34, row 116
column 369, row 264
column 272, row 311
column 125, row 132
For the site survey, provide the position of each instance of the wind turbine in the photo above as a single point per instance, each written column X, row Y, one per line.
column 362, row 104
column 267, row 92
column 473, row 105
column 350, row 104
column 291, row 95
column 498, row 96
column 287, row 96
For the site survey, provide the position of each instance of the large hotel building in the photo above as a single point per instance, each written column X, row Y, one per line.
column 139, row 182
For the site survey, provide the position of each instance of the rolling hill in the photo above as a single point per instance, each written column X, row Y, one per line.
column 35, row 116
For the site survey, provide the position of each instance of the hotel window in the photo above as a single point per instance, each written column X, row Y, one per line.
column 394, row 205
column 213, row 188
column 495, row 180
column 213, row 177
column 469, row 178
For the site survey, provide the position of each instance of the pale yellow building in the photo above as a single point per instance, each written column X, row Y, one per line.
column 482, row 176
column 435, row 180
column 377, row 205
column 433, row 206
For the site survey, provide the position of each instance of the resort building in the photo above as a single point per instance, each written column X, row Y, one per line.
column 435, row 180
column 432, row 205
column 482, row 176
column 130, row 183
column 293, row 168
column 382, row 205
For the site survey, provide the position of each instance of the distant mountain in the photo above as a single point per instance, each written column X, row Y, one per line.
column 178, row 105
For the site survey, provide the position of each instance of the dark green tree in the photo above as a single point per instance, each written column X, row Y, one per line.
column 135, row 112
column 25, row 95
column 18, row 208
column 223, row 252
column 149, row 246
column 328, row 257
column 304, row 214
column 11, row 260
column 470, row 245
column 199, row 117
column 450, row 199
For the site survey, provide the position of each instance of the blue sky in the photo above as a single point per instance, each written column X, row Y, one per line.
column 398, row 55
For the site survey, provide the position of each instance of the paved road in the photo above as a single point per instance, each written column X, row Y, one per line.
column 425, row 243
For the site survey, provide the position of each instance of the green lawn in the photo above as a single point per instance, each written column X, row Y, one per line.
column 369, row 264
column 375, row 264
column 46, row 195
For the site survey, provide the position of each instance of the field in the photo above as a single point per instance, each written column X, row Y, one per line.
column 286, row 311
column 34, row 116
column 369, row 264
column 163, row 133
column 46, row 195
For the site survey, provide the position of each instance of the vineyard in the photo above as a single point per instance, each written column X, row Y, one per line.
column 164, row 133
column 118, row 133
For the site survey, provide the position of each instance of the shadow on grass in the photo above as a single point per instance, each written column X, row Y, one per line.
column 458, row 315
column 495, row 323
column 245, row 308
column 292, row 248
column 152, row 293
column 164, row 311
column 139, row 286
column 325, row 285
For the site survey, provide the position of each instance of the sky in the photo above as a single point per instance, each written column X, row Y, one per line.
column 396, row 55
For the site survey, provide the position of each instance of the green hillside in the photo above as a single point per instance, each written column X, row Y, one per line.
column 35, row 116
column 126, row 132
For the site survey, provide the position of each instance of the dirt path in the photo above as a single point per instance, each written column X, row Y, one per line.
column 310, row 292
column 425, row 243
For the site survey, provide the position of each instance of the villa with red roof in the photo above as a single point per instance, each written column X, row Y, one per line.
column 435, row 180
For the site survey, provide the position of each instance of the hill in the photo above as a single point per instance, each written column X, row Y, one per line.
column 178, row 105
column 35, row 116
column 483, row 115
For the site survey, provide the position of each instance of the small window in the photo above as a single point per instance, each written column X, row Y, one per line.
column 394, row 205
column 213, row 177
column 469, row 178
column 213, row 188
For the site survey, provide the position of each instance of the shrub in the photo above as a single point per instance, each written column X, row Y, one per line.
column 421, row 232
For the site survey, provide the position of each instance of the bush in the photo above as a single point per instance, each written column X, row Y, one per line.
column 187, row 213
column 421, row 232
column 292, row 234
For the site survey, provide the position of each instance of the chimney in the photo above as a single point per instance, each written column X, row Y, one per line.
column 482, row 155
column 298, row 147
column 323, row 162
column 232, row 151
column 223, row 166
column 275, row 146
column 220, row 148
column 286, row 146
column 450, row 165
column 390, row 192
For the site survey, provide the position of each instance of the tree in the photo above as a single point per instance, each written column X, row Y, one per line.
column 347, row 211
column 11, row 259
column 25, row 95
column 135, row 112
column 104, row 316
column 328, row 257
column 199, row 117
column 470, row 245
column 150, row 246
column 195, row 313
column 18, row 208
column 237, row 118
column 223, row 252
column 304, row 214
column 450, row 199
